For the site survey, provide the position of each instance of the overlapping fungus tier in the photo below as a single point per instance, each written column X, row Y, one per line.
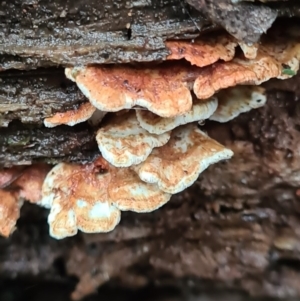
column 149, row 143
column 163, row 89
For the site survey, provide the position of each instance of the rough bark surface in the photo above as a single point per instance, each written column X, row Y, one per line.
column 32, row 96
column 23, row 145
column 43, row 33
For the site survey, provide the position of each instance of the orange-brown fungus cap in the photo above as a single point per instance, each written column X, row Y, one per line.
column 201, row 110
column 163, row 89
column 285, row 51
column 236, row 100
column 89, row 197
column 123, row 142
column 72, row 117
column 9, row 211
column 238, row 71
column 20, row 183
column 77, row 195
column 277, row 57
column 203, row 51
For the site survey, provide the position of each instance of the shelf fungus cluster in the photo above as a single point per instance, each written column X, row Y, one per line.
column 147, row 127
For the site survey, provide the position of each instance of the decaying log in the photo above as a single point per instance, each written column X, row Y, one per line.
column 237, row 227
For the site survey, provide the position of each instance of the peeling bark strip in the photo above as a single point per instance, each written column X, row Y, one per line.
column 33, row 96
column 23, row 145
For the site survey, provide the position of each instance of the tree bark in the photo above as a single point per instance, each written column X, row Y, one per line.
column 42, row 33
column 35, row 95
column 24, row 145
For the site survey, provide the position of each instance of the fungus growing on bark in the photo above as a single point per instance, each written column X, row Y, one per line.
column 177, row 165
column 10, row 206
column 237, row 100
column 163, row 89
column 72, row 117
column 286, row 51
column 89, row 197
column 123, row 142
column 201, row 110
column 204, row 51
column 238, row 71
column 274, row 59
column 78, row 200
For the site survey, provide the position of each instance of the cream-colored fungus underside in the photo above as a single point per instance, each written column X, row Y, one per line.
column 237, row 100
column 201, row 110
column 176, row 165
column 123, row 142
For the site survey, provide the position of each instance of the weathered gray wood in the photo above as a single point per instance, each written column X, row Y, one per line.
column 42, row 32
column 33, row 96
column 23, row 145
column 45, row 33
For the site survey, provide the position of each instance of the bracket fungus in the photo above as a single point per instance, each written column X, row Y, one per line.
column 154, row 124
column 150, row 143
column 286, row 51
column 72, row 117
column 77, row 198
column 203, row 52
column 128, row 193
column 20, row 184
column 123, row 142
column 279, row 59
column 10, row 206
column 237, row 100
column 177, row 165
column 236, row 72
column 163, row 89
column 89, row 197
